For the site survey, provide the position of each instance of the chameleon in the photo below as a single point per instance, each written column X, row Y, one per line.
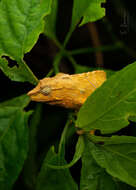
column 69, row 91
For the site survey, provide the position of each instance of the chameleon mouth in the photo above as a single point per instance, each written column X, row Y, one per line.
column 35, row 95
column 33, row 92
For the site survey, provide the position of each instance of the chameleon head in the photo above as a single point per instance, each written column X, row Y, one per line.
column 40, row 93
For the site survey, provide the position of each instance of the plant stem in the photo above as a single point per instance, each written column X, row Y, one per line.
column 57, row 61
column 63, row 136
column 50, row 73
column 67, row 38
column 58, row 44
column 71, row 59
column 92, row 50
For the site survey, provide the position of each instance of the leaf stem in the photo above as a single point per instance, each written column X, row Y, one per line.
column 63, row 135
column 35, row 81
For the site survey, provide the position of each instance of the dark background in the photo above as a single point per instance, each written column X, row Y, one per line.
column 119, row 25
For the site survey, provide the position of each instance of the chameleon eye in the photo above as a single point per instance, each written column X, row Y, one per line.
column 46, row 90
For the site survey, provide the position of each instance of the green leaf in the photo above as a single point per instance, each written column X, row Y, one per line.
column 21, row 22
column 89, row 10
column 13, row 141
column 118, row 156
column 110, row 106
column 78, row 153
column 21, row 73
column 109, row 73
column 94, row 12
column 94, row 177
column 49, row 179
column 31, row 168
column 50, row 21
column 18, row 102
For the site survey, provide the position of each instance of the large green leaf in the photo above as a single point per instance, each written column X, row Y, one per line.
column 21, row 22
column 90, row 10
column 118, row 156
column 49, row 178
column 110, row 106
column 13, row 140
column 93, row 177
column 50, row 21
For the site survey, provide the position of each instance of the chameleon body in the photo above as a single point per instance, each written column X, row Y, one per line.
column 69, row 91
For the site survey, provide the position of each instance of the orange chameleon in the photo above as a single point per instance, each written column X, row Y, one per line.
column 69, row 91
